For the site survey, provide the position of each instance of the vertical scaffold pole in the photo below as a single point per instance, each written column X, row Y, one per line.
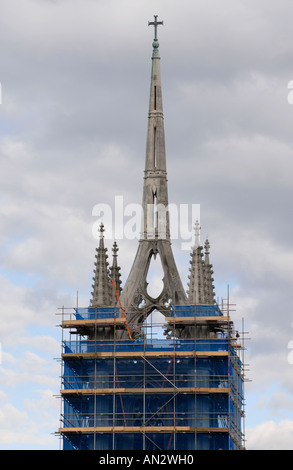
column 144, row 398
column 95, row 381
column 114, row 385
column 195, row 383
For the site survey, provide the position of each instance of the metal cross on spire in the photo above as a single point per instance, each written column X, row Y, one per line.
column 155, row 23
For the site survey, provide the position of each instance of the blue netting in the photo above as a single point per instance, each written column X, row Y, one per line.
column 91, row 346
column 195, row 310
column 119, row 391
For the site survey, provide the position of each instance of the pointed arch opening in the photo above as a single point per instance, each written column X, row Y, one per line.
column 155, row 275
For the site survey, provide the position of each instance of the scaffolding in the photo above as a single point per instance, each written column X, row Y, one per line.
column 159, row 390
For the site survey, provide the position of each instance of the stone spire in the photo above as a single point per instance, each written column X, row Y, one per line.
column 196, row 277
column 155, row 192
column 196, row 234
column 101, row 294
column 208, row 287
column 115, row 275
column 155, row 230
column 201, row 289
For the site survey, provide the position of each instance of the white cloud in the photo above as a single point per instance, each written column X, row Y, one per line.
column 29, row 416
column 28, row 368
column 261, row 160
column 46, row 406
column 43, row 343
column 278, row 403
column 271, row 435
column 11, row 416
column 75, row 79
column 3, row 395
column 24, row 430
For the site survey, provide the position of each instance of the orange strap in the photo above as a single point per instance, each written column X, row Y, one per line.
column 122, row 310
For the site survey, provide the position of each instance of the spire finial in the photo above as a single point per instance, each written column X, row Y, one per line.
column 197, row 234
column 115, row 248
column 115, row 274
column 102, row 230
column 155, row 23
column 207, row 246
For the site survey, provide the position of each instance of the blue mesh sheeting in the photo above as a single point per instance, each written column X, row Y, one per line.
column 212, row 411
column 91, row 313
column 196, row 310
column 201, row 394
column 150, row 441
column 157, row 372
column 96, row 313
column 90, row 346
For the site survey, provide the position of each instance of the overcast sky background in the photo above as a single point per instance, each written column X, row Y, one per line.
column 75, row 78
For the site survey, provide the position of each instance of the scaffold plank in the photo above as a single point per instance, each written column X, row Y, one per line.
column 93, row 322
column 133, row 429
column 194, row 320
column 146, row 354
column 126, row 390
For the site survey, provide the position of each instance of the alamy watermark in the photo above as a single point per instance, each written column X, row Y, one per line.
column 290, row 94
column 290, row 354
column 129, row 221
column 290, row 344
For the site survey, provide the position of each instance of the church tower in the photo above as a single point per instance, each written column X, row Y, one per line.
column 123, row 387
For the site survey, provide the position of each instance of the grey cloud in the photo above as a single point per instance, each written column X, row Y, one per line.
column 75, row 78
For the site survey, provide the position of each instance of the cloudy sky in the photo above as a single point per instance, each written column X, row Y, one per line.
column 75, row 85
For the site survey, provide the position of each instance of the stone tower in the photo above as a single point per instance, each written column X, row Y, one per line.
column 125, row 389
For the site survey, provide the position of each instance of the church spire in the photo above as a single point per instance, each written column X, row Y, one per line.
column 101, row 294
column 155, row 193
column 155, row 230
